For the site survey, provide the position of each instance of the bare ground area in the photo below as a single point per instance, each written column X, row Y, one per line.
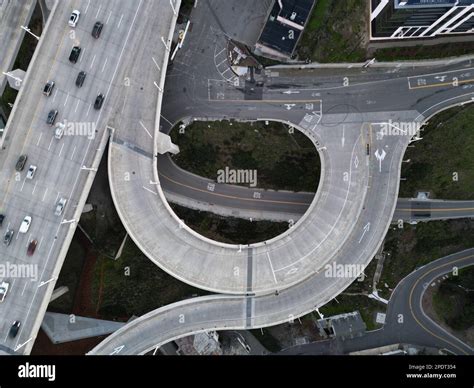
column 465, row 335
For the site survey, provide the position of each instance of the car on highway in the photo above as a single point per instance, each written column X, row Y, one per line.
column 2, row 217
column 32, row 247
column 4, row 286
column 75, row 52
column 59, row 131
column 60, row 207
column 14, row 329
column 99, row 101
column 97, row 29
column 52, row 115
column 20, row 164
column 7, row 239
column 48, row 88
column 31, row 172
column 74, row 18
column 25, row 225
column 80, row 79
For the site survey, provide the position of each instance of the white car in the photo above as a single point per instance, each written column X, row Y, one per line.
column 74, row 18
column 3, row 290
column 60, row 206
column 25, row 225
column 31, row 172
column 59, row 132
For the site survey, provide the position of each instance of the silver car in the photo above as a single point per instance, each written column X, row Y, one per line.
column 60, row 206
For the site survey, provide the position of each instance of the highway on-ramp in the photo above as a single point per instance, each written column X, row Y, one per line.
column 284, row 278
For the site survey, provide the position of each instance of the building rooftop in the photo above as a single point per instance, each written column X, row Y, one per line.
column 285, row 25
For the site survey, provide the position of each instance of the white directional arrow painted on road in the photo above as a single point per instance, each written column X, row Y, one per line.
column 117, row 350
column 380, row 157
column 366, row 229
column 291, row 92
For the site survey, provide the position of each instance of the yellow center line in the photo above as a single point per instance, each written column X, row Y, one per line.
column 231, row 196
column 460, row 209
column 441, row 84
column 267, row 101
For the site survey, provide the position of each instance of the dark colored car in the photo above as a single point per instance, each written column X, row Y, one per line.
column 7, row 239
column 99, row 101
column 52, row 115
column 32, row 247
column 48, row 88
column 15, row 329
column 80, row 79
column 2, row 217
column 74, row 56
column 97, row 29
column 20, row 164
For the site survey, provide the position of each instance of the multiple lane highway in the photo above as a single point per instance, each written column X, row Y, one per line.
column 65, row 167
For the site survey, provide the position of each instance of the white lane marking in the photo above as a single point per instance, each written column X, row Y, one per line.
column 55, row 95
column 34, row 188
column 57, row 197
column 73, row 152
column 61, row 151
column 92, row 63
column 221, row 62
column 44, row 195
column 98, row 11
column 67, row 98
column 88, row 110
column 39, row 139
column 105, row 64
column 24, row 288
column 88, row 3
column 107, row 21
column 219, row 53
column 23, row 185
column 77, row 106
column 271, row 266
column 143, row 126
column 169, row 122
column 50, row 143
column 120, row 21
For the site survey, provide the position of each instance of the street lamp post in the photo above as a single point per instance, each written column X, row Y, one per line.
column 29, row 31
